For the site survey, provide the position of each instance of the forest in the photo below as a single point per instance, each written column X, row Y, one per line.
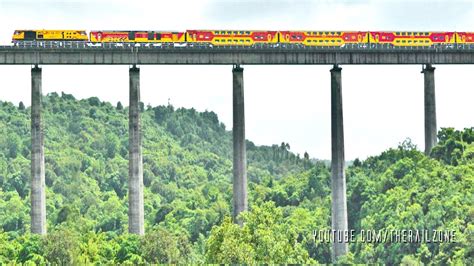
column 187, row 158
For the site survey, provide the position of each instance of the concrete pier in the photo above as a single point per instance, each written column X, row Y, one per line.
column 38, row 196
column 430, row 109
column 338, row 179
column 135, row 164
column 240, row 156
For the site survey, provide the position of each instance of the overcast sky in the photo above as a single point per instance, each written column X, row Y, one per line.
column 383, row 105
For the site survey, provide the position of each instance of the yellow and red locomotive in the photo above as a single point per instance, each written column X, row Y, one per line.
column 50, row 35
column 137, row 36
column 252, row 37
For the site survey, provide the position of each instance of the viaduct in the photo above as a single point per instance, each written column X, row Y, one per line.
column 235, row 56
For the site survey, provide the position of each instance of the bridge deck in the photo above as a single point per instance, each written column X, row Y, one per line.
column 126, row 55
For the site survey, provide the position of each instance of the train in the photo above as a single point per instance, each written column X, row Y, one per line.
column 249, row 37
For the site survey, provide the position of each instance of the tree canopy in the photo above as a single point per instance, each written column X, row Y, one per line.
column 187, row 158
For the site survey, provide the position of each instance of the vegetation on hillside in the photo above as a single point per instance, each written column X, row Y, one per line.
column 187, row 159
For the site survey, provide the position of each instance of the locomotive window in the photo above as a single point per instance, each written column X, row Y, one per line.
column 435, row 38
column 441, row 38
column 30, row 35
column 403, row 41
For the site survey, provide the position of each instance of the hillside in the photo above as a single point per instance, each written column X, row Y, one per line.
column 187, row 176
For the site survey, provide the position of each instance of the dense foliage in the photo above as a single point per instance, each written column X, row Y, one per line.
column 187, row 176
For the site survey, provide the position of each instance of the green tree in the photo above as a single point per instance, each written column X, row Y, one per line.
column 61, row 247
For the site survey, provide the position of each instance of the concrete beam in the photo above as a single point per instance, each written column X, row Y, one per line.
column 338, row 179
column 38, row 196
column 430, row 109
column 135, row 164
column 240, row 156
column 142, row 56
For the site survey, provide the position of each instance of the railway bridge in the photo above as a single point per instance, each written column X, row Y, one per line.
column 234, row 56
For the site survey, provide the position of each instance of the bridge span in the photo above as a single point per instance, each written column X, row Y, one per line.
column 128, row 55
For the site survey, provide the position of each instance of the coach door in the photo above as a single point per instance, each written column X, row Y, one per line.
column 131, row 36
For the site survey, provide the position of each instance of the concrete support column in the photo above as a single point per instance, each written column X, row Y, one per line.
column 338, row 179
column 240, row 156
column 135, row 164
column 38, row 196
column 430, row 109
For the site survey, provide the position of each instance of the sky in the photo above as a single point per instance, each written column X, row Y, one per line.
column 383, row 105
